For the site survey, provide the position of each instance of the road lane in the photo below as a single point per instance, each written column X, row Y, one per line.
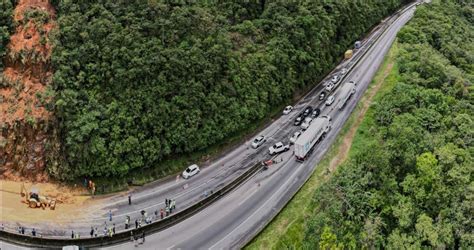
column 237, row 217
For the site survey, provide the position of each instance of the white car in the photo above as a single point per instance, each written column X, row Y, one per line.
column 287, row 109
column 257, row 142
column 295, row 136
column 330, row 100
column 306, row 123
column 335, row 79
column 330, row 87
column 343, row 71
column 278, row 148
column 190, row 171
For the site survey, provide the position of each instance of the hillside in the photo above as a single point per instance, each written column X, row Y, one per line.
column 408, row 180
column 140, row 83
column 103, row 89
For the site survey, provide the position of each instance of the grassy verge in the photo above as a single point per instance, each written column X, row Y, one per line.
column 287, row 230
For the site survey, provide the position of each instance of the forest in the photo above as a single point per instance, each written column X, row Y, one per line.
column 143, row 81
column 408, row 183
column 6, row 26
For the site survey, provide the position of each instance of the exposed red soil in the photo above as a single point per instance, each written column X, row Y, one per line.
column 27, row 74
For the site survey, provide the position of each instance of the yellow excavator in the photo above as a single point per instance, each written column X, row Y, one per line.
column 34, row 199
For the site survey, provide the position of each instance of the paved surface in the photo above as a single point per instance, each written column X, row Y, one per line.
column 232, row 221
column 236, row 218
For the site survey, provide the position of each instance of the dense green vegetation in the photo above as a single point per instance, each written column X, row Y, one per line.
column 141, row 82
column 408, row 181
column 6, row 12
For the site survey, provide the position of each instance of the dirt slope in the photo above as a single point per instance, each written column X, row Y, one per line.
column 26, row 123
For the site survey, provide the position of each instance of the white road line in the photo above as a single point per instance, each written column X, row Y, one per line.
column 264, row 205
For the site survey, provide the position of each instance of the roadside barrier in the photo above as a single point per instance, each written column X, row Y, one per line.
column 124, row 236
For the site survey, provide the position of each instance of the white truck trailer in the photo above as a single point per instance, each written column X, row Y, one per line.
column 345, row 93
column 316, row 132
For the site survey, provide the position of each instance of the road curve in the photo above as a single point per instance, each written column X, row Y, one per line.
column 235, row 219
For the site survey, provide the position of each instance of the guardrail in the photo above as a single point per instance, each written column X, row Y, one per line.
column 123, row 236
column 276, row 210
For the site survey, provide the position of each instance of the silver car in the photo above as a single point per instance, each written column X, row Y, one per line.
column 257, row 142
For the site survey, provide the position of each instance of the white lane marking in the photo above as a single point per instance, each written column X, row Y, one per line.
column 248, row 196
column 264, row 205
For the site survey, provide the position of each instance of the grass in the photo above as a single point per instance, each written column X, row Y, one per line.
column 287, row 230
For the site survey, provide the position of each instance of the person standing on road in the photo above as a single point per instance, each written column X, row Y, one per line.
column 22, row 230
column 33, row 232
column 72, row 234
column 110, row 215
column 167, row 211
column 129, row 199
column 96, row 231
column 113, row 229
column 92, row 232
column 136, row 224
column 143, row 237
column 127, row 222
column 174, row 204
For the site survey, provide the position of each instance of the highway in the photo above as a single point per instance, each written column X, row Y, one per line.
column 235, row 219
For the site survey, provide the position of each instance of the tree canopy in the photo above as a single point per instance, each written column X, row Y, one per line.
column 410, row 184
column 6, row 26
column 142, row 81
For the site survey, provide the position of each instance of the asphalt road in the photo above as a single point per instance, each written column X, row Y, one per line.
column 236, row 218
column 213, row 176
column 232, row 221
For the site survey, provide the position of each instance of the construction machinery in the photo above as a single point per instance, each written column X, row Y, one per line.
column 34, row 199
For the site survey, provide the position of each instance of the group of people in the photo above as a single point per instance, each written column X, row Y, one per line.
column 108, row 231
column 21, row 230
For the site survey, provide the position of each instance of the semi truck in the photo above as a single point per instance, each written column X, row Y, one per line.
column 316, row 132
column 345, row 93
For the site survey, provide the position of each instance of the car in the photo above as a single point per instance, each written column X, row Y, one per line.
column 306, row 123
column 279, row 147
column 307, row 111
column 322, row 95
column 257, row 142
column 335, row 79
column 190, row 171
column 344, row 71
column 287, row 109
column 330, row 87
column 316, row 113
column 330, row 100
column 299, row 120
column 295, row 136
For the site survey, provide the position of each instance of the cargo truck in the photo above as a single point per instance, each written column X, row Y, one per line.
column 345, row 93
column 316, row 132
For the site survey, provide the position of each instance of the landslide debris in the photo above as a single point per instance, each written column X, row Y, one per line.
column 27, row 124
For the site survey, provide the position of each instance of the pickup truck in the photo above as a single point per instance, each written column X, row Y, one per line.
column 278, row 148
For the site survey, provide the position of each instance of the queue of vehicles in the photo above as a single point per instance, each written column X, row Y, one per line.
column 313, row 127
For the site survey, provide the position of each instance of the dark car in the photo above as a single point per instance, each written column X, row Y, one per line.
column 307, row 111
column 322, row 95
column 316, row 113
column 299, row 120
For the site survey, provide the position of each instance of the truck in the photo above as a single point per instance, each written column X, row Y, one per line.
column 304, row 145
column 345, row 93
